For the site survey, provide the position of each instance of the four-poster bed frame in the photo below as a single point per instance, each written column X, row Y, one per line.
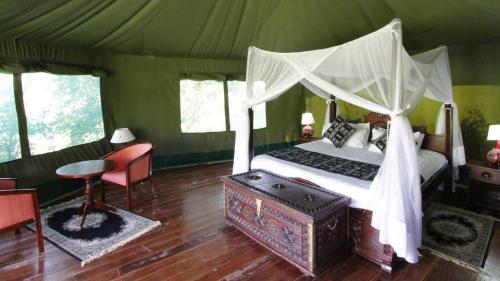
column 364, row 237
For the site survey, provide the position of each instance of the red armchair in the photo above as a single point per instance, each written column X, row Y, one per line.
column 133, row 166
column 19, row 207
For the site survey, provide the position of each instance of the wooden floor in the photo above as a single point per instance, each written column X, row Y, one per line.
column 193, row 243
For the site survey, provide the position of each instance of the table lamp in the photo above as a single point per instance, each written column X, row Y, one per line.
column 494, row 154
column 122, row 136
column 307, row 120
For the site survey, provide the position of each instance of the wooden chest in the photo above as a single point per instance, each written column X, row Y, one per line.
column 304, row 224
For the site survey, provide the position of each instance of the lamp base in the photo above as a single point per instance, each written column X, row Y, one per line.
column 307, row 132
column 494, row 156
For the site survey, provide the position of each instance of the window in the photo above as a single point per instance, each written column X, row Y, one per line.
column 203, row 109
column 236, row 93
column 61, row 110
column 202, row 106
column 10, row 148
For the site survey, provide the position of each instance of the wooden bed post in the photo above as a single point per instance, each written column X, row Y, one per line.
column 448, row 131
column 333, row 108
column 250, row 139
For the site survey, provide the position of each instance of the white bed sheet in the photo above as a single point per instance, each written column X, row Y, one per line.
column 429, row 163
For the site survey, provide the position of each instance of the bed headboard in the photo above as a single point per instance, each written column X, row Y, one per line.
column 439, row 143
column 378, row 120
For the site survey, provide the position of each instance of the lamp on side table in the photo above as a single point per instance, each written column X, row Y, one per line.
column 121, row 137
column 494, row 153
column 307, row 121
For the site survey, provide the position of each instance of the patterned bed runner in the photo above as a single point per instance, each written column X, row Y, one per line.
column 332, row 164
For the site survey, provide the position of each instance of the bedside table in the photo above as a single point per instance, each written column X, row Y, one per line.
column 304, row 140
column 484, row 185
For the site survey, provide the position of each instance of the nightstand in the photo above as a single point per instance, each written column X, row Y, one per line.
column 304, row 140
column 484, row 185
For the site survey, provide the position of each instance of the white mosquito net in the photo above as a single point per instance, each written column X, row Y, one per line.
column 376, row 73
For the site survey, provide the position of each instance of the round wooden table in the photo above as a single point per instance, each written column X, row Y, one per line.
column 86, row 170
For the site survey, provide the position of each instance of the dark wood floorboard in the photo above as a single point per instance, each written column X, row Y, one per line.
column 194, row 243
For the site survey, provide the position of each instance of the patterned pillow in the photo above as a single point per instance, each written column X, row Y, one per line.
column 380, row 142
column 339, row 132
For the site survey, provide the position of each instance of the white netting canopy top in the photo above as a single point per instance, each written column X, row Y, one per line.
column 376, row 73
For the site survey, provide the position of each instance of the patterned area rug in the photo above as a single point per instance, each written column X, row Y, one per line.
column 102, row 232
column 456, row 233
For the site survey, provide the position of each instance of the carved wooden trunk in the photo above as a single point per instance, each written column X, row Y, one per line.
column 305, row 225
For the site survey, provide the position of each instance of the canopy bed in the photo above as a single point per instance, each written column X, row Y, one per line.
column 376, row 73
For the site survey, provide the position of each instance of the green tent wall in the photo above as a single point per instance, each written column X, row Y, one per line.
column 147, row 45
column 142, row 93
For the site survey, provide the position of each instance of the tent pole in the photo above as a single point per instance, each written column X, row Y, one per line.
column 333, row 108
column 250, row 139
column 448, row 135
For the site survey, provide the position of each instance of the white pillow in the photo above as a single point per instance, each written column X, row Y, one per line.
column 325, row 127
column 360, row 137
column 360, row 125
column 378, row 132
column 419, row 139
column 354, row 125
column 374, row 148
column 326, row 140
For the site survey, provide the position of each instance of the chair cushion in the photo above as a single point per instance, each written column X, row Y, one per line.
column 117, row 176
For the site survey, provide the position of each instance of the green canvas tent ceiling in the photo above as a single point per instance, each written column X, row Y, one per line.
column 225, row 28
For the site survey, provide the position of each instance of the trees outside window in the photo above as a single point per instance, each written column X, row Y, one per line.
column 10, row 148
column 203, row 106
column 61, row 110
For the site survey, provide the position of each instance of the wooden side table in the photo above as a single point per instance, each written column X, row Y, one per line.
column 86, row 170
column 304, row 140
column 484, row 185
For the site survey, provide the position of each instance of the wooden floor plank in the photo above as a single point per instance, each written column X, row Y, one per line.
column 448, row 271
column 194, row 243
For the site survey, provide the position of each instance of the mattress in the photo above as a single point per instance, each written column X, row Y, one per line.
column 429, row 162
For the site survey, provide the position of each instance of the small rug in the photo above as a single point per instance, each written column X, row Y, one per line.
column 102, row 232
column 464, row 236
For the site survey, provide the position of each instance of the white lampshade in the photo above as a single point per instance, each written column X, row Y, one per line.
column 122, row 135
column 494, row 133
column 307, row 118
